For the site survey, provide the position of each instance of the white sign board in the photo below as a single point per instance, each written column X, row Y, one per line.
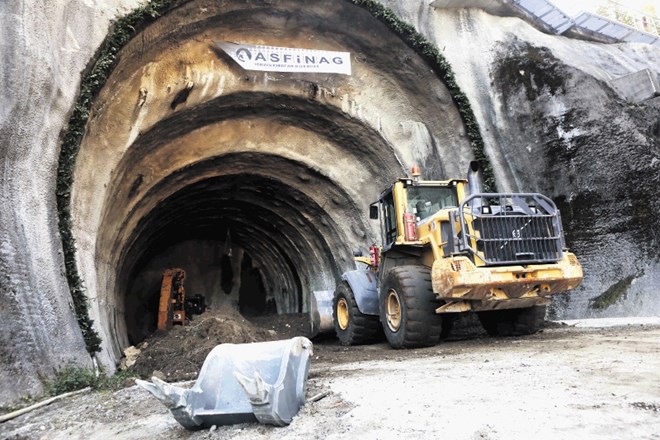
column 287, row 59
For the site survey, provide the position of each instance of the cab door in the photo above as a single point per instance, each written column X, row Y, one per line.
column 388, row 222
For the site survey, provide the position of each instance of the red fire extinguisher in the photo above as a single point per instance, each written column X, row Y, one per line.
column 375, row 255
column 410, row 226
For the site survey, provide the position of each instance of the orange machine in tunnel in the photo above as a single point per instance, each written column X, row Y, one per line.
column 172, row 299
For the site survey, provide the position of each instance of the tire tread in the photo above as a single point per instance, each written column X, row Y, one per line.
column 421, row 326
column 361, row 328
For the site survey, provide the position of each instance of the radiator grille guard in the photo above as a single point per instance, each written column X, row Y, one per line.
column 505, row 228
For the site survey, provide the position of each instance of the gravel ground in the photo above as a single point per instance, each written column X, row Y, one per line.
column 585, row 380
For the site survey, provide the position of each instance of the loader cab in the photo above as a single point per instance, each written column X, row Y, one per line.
column 409, row 203
column 425, row 200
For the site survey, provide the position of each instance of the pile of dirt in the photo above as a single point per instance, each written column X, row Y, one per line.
column 179, row 353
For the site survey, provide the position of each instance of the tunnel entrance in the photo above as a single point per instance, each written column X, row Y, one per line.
column 186, row 155
column 243, row 240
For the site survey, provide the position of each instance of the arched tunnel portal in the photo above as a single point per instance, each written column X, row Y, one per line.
column 256, row 183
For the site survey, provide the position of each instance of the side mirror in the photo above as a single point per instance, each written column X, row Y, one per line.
column 373, row 212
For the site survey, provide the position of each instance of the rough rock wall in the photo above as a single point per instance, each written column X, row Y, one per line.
column 44, row 46
column 552, row 124
column 545, row 134
column 288, row 162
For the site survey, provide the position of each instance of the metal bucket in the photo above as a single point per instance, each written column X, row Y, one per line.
column 320, row 311
column 241, row 383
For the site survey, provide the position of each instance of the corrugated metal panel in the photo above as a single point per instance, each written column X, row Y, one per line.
column 642, row 37
column 637, row 87
column 591, row 22
column 549, row 17
column 558, row 21
column 546, row 13
column 614, row 30
column 536, row 7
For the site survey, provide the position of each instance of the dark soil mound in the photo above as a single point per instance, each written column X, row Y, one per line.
column 180, row 352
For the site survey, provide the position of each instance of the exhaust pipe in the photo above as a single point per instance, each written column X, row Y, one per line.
column 475, row 180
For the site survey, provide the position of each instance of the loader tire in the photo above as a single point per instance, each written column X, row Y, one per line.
column 352, row 326
column 407, row 308
column 513, row 322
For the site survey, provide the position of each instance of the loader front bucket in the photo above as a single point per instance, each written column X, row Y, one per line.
column 241, row 383
column 320, row 311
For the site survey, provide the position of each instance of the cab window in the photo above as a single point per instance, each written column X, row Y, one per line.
column 424, row 201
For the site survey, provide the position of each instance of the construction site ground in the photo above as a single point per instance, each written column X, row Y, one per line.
column 581, row 380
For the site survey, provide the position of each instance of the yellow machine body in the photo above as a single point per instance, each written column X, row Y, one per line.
column 470, row 284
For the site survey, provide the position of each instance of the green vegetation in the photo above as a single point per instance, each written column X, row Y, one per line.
column 442, row 68
column 644, row 19
column 617, row 291
column 93, row 80
column 72, row 378
column 24, row 401
column 101, row 67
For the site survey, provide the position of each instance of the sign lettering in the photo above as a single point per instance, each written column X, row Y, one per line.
column 287, row 59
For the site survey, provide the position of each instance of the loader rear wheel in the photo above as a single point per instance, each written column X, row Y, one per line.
column 352, row 326
column 407, row 308
column 513, row 322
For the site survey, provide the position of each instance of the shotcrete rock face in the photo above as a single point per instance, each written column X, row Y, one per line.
column 256, row 183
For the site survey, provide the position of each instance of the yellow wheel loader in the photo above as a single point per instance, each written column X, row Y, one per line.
column 448, row 248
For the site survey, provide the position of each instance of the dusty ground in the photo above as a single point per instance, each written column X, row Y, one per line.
column 568, row 382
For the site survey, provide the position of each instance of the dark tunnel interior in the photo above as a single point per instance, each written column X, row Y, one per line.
column 245, row 241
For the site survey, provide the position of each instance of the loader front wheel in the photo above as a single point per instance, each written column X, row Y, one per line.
column 513, row 322
column 407, row 308
column 352, row 326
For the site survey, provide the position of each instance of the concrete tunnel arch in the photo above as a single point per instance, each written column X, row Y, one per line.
column 182, row 145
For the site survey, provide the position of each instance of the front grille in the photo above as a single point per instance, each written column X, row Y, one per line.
column 511, row 229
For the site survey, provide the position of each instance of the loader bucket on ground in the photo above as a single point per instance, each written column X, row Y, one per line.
column 320, row 311
column 241, row 383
